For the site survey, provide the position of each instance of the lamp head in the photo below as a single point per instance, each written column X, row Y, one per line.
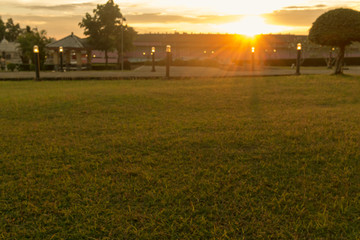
column 36, row 49
column 153, row 49
column 299, row 46
column 168, row 48
column 253, row 49
column 61, row 49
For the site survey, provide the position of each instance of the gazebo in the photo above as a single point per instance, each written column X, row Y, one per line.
column 72, row 45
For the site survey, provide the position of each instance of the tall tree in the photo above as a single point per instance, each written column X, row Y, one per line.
column 28, row 39
column 102, row 25
column 2, row 29
column 12, row 30
column 339, row 27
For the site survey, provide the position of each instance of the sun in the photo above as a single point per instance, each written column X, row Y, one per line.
column 251, row 26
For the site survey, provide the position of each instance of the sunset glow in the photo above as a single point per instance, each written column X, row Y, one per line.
column 202, row 16
column 250, row 26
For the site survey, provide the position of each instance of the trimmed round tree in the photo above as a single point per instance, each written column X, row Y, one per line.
column 336, row 28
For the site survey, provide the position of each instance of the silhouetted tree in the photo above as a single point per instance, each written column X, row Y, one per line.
column 102, row 26
column 28, row 39
column 2, row 29
column 339, row 27
column 12, row 30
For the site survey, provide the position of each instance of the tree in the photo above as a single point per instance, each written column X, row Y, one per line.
column 101, row 27
column 2, row 29
column 336, row 28
column 28, row 39
column 12, row 30
column 129, row 35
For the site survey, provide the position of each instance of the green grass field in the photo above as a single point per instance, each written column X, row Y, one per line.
column 245, row 158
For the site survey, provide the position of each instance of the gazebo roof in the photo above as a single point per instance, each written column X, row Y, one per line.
column 69, row 42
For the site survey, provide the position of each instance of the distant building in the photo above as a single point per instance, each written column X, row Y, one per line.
column 76, row 52
column 229, row 48
column 9, row 52
column 223, row 48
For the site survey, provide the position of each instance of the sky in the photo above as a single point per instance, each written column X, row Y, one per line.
column 247, row 17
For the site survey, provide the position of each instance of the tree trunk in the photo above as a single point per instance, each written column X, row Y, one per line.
column 340, row 61
column 106, row 59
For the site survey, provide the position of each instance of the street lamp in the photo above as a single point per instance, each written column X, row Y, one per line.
column 252, row 58
column 61, row 50
column 153, row 59
column 37, row 62
column 122, row 43
column 298, row 58
column 168, row 60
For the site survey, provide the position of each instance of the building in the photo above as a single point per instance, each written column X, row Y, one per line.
column 221, row 48
column 225, row 48
column 231, row 48
column 9, row 53
column 75, row 52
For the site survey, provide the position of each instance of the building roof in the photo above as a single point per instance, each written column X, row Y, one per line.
column 70, row 42
column 184, row 39
column 211, row 40
column 6, row 46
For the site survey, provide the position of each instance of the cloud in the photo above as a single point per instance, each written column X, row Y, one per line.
column 55, row 26
column 307, row 7
column 53, row 7
column 156, row 18
column 216, row 19
column 60, row 7
column 70, row 7
column 167, row 18
column 295, row 16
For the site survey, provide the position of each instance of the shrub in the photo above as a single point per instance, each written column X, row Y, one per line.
column 12, row 66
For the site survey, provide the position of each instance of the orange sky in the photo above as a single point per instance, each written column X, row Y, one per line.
column 61, row 17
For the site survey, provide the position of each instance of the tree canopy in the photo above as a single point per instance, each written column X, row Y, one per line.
column 2, row 29
column 104, row 26
column 9, row 30
column 12, row 30
column 28, row 39
column 339, row 27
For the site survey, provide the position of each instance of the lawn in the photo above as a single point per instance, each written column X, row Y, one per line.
column 239, row 158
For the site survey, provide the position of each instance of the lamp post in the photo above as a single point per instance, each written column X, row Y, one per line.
column 122, row 43
column 153, row 59
column 37, row 62
column 168, row 60
column 330, row 58
column 298, row 59
column 61, row 51
column 252, row 58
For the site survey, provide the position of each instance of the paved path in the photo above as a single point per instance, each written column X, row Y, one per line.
column 175, row 72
